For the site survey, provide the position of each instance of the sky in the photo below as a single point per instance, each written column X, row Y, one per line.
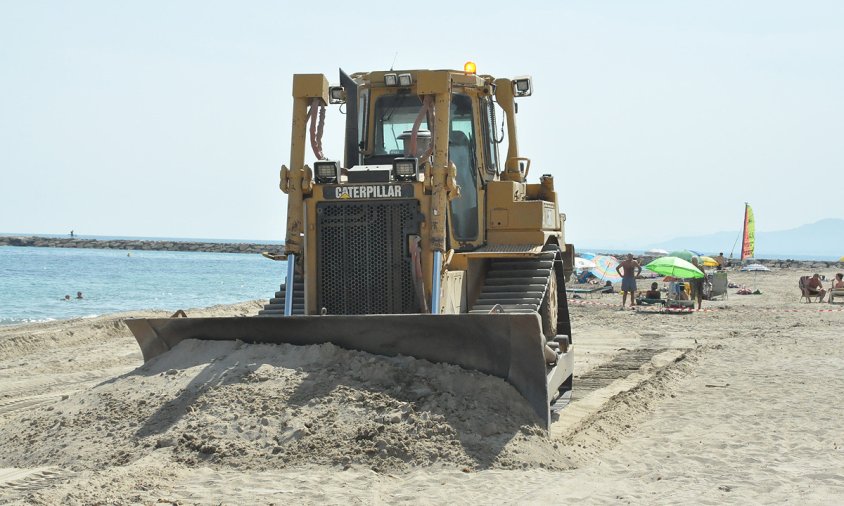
column 658, row 119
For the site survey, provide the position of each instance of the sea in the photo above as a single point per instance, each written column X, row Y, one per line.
column 34, row 281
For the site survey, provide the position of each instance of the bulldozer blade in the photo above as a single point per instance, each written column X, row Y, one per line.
column 509, row 346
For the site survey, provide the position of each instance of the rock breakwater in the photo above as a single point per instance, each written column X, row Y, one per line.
column 140, row 245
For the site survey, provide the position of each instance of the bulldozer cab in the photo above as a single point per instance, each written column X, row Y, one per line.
column 399, row 125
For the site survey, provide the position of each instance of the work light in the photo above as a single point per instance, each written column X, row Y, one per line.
column 391, row 79
column 337, row 95
column 405, row 169
column 405, row 80
column 327, row 171
column 522, row 86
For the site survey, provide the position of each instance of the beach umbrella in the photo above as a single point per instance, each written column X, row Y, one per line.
column 656, row 252
column 755, row 268
column 841, row 259
column 708, row 261
column 582, row 263
column 605, row 268
column 683, row 254
column 673, row 266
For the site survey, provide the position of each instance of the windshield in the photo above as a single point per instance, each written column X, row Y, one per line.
column 393, row 115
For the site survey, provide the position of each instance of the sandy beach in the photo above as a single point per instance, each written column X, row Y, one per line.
column 739, row 403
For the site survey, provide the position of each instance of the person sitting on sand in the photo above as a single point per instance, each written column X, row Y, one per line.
column 584, row 276
column 839, row 281
column 653, row 293
column 815, row 287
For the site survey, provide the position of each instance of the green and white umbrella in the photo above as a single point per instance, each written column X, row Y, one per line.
column 683, row 254
column 676, row 267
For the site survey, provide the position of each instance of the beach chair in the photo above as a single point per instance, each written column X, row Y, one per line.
column 676, row 290
column 835, row 292
column 644, row 301
column 805, row 293
column 585, row 292
column 716, row 286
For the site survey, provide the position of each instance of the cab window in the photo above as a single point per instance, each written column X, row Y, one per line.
column 490, row 146
column 461, row 152
column 393, row 115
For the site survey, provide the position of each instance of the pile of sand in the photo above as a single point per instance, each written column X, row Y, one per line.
column 230, row 404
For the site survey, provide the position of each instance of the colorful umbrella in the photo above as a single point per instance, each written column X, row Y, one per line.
column 673, row 266
column 755, row 268
column 841, row 259
column 582, row 263
column 708, row 261
column 684, row 254
column 605, row 268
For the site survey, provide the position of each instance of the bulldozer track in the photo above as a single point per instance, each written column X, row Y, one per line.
column 31, row 480
column 12, row 405
column 621, row 366
column 30, row 396
column 517, row 285
column 275, row 307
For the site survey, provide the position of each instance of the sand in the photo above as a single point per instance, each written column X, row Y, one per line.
column 740, row 403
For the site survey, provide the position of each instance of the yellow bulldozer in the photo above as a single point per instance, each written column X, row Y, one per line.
column 421, row 242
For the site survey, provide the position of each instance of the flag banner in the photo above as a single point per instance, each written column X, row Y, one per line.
column 749, row 236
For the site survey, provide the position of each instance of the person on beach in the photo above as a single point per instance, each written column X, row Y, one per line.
column 722, row 262
column 653, row 293
column 628, row 270
column 697, row 283
column 815, row 286
column 79, row 295
column 839, row 281
column 584, row 276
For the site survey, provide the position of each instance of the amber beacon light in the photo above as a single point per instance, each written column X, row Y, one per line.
column 469, row 67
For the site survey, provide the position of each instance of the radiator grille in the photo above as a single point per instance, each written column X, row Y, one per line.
column 363, row 266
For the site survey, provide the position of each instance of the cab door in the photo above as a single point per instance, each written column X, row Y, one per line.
column 465, row 214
